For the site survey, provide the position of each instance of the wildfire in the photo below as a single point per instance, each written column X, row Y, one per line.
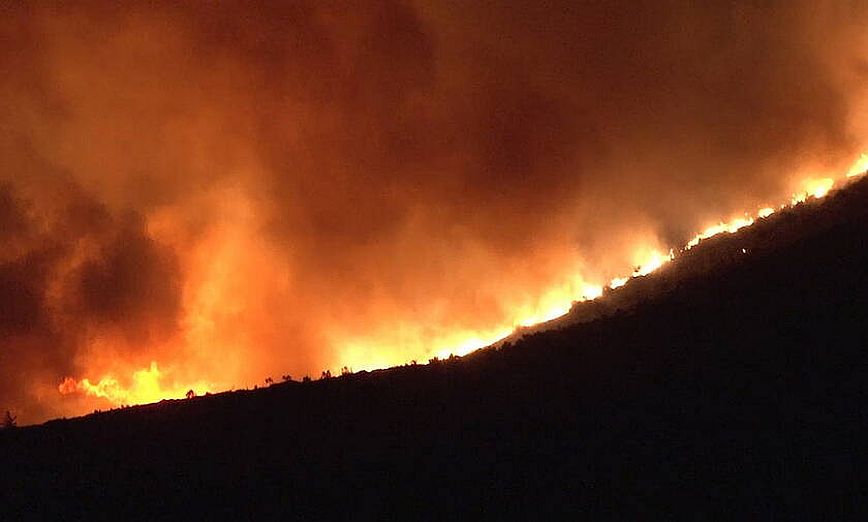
column 728, row 227
column 859, row 168
column 647, row 260
column 153, row 383
column 816, row 188
column 146, row 385
column 765, row 212
column 618, row 282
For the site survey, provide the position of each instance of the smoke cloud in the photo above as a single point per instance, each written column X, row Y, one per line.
column 246, row 189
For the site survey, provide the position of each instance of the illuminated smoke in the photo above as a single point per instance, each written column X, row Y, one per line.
column 245, row 190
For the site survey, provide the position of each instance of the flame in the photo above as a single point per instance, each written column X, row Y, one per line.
column 225, row 266
column 765, row 212
column 557, row 302
column 145, row 386
column 618, row 282
column 815, row 188
column 651, row 261
column 723, row 227
column 859, row 168
column 209, row 305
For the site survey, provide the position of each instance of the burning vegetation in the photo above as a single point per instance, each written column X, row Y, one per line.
column 194, row 197
column 147, row 387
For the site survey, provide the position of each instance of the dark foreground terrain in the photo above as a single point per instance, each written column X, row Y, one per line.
column 737, row 389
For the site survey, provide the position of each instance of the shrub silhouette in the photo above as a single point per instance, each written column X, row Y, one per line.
column 191, row 394
column 9, row 421
column 269, row 381
column 326, row 374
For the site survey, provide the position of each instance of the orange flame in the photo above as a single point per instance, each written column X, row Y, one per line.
column 859, row 168
column 388, row 346
column 147, row 385
column 765, row 212
column 816, row 188
column 723, row 227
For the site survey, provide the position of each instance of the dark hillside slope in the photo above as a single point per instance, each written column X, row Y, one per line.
column 733, row 392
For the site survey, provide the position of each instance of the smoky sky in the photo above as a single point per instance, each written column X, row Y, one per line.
column 224, row 186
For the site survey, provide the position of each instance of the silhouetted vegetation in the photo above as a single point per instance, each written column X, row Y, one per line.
column 9, row 421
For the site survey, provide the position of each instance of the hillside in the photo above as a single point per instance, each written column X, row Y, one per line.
column 729, row 384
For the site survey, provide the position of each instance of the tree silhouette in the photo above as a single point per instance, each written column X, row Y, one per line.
column 269, row 381
column 287, row 377
column 191, row 394
column 9, row 421
column 326, row 374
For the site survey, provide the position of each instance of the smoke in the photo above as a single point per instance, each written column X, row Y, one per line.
column 240, row 190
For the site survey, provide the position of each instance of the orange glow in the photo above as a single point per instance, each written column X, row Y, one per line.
column 722, row 227
column 231, row 270
column 859, row 167
column 815, row 188
column 240, row 195
column 618, row 282
column 145, row 386
column 765, row 212
column 651, row 261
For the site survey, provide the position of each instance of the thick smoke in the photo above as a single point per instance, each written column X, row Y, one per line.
column 238, row 190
